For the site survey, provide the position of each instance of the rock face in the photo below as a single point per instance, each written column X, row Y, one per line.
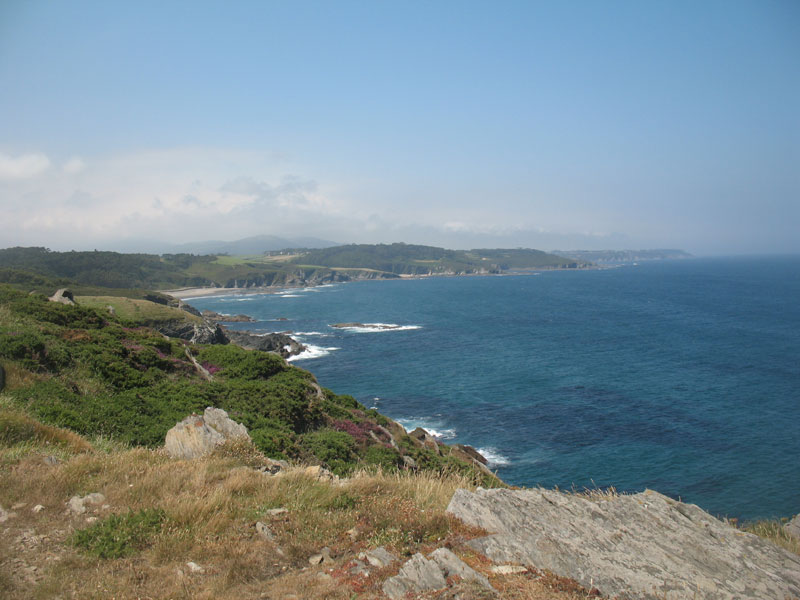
column 62, row 296
column 197, row 436
column 639, row 546
column 272, row 342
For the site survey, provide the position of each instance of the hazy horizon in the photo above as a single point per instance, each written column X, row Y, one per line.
column 570, row 125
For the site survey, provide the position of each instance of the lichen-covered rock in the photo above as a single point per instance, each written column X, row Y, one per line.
column 643, row 545
column 197, row 436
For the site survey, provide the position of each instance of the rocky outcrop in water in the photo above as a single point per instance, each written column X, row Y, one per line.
column 631, row 546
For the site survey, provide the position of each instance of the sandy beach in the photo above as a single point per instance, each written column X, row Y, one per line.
column 184, row 293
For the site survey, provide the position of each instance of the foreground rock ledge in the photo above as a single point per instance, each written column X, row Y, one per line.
column 637, row 546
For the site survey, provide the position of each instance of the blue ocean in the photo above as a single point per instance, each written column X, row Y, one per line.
column 679, row 376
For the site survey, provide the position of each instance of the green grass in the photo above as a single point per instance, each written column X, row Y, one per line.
column 141, row 311
column 119, row 535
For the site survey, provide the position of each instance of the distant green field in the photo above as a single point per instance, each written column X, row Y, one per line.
column 129, row 309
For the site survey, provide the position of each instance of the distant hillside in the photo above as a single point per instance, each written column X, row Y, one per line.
column 45, row 270
column 623, row 256
column 412, row 259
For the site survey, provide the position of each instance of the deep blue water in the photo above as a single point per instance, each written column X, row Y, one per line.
column 683, row 376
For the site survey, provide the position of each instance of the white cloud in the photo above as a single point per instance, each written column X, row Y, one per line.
column 178, row 195
column 74, row 165
column 24, row 166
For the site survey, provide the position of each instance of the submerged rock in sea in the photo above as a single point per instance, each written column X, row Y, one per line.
column 643, row 545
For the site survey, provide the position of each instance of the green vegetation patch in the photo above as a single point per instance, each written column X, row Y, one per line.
column 120, row 535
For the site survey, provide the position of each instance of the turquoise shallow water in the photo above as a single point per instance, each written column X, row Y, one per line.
column 682, row 376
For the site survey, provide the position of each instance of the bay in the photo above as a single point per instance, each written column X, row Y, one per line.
column 679, row 376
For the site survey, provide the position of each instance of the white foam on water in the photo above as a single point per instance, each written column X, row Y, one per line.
column 319, row 333
column 312, row 352
column 289, row 295
column 493, row 456
column 379, row 327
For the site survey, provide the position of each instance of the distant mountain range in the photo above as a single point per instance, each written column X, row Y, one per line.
column 257, row 244
column 623, row 256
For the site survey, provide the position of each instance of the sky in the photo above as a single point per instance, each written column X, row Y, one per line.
column 552, row 125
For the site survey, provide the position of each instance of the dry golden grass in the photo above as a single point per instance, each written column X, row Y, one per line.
column 773, row 531
column 210, row 508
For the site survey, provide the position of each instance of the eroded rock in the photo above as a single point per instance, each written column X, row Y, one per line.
column 644, row 545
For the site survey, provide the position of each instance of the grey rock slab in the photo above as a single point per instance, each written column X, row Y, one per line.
column 452, row 565
column 416, row 576
column 643, row 545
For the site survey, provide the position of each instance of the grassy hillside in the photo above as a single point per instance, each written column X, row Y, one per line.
column 424, row 260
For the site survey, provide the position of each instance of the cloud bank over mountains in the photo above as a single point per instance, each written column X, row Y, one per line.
column 185, row 194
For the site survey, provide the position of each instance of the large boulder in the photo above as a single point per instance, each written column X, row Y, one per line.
column 198, row 436
column 63, row 296
column 641, row 546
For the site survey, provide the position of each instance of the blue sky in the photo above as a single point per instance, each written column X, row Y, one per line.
column 616, row 124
